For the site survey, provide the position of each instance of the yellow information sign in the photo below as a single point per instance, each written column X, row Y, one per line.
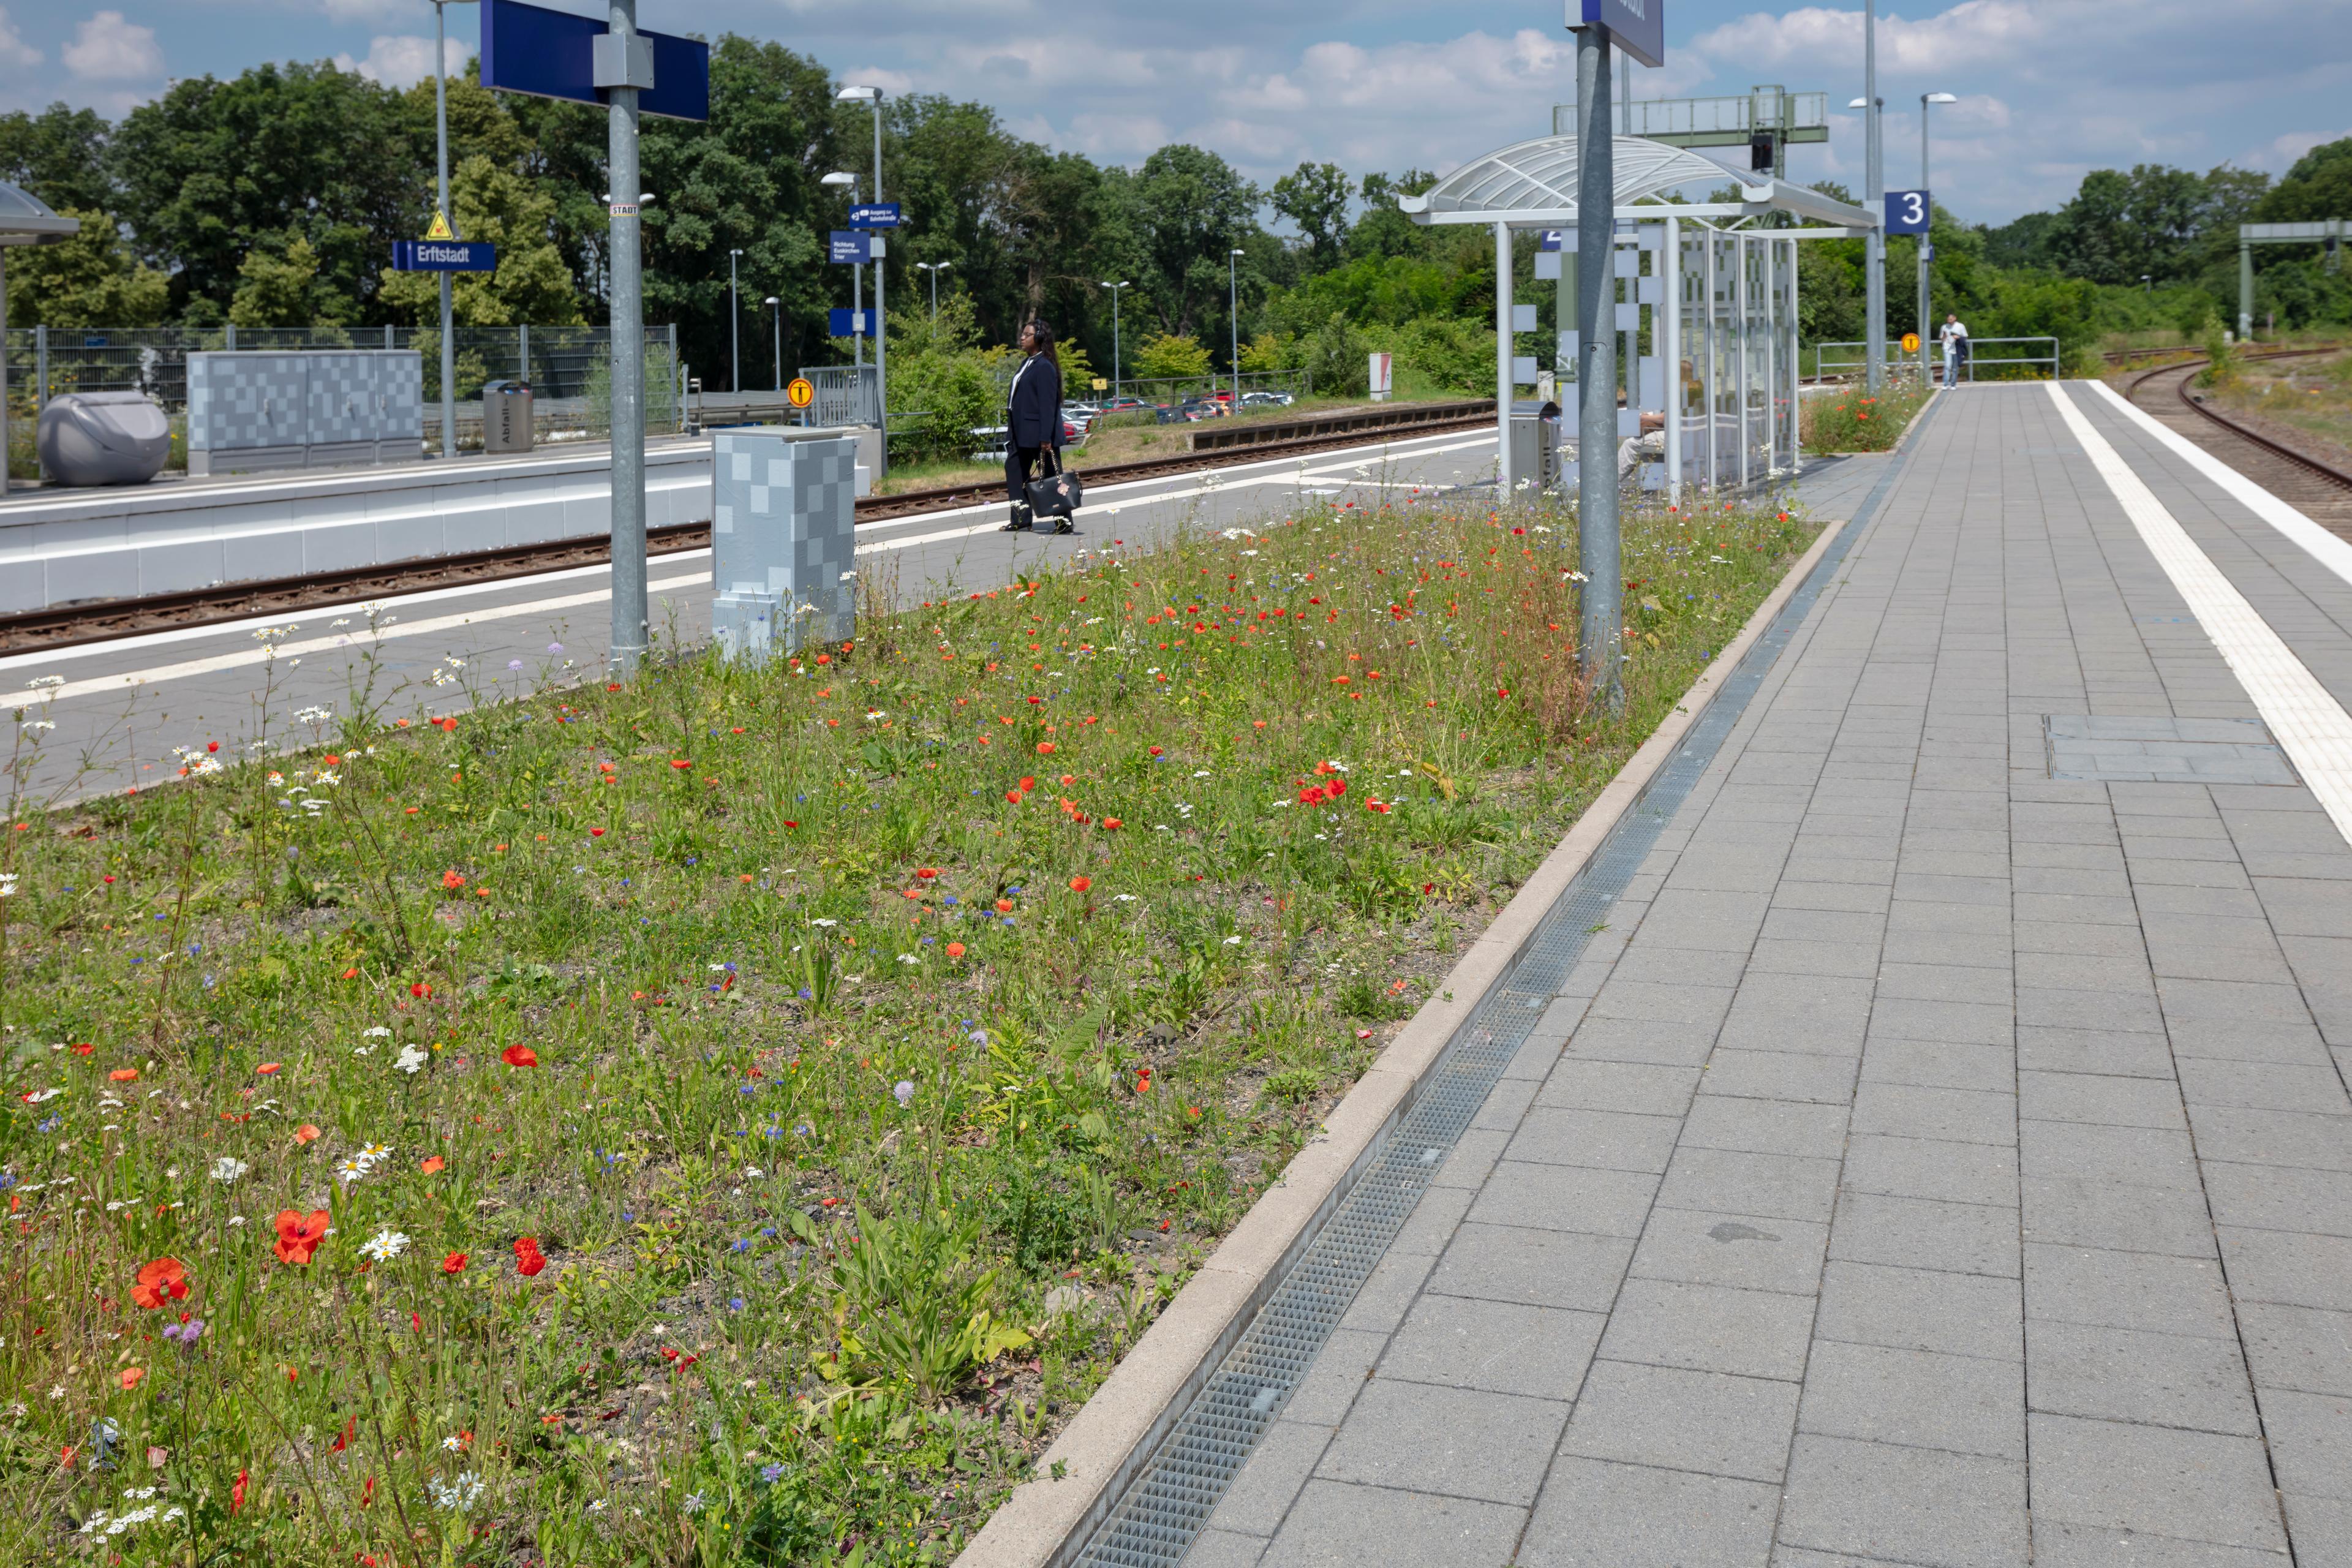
column 440, row 229
column 1100, row 384
column 801, row 393
column 1910, row 343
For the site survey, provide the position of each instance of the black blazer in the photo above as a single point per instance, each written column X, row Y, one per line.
column 1036, row 419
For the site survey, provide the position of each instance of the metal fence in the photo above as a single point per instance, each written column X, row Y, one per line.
column 1835, row 360
column 2023, row 365
column 568, row 369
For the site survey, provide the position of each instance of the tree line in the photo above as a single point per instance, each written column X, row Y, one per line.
column 272, row 198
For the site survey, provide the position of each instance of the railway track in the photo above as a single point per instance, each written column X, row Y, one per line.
column 2318, row 489
column 103, row 621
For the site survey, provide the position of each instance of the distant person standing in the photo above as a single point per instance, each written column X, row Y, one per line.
column 1955, row 339
column 1032, row 420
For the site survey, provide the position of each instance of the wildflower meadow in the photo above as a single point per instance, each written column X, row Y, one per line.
column 737, row 1115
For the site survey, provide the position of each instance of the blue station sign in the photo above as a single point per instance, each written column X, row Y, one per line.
column 1636, row 27
column 1908, row 212
column 875, row 214
column 850, row 246
column 849, row 323
column 443, row 255
column 551, row 53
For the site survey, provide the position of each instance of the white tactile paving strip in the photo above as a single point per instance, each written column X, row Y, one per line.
column 2305, row 719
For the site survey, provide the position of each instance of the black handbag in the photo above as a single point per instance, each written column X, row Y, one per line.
column 1057, row 494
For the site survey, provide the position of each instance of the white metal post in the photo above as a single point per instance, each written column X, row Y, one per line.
column 1503, row 384
column 1233, row 310
column 734, row 329
column 1796, row 380
column 1875, row 247
column 1670, row 285
column 1739, row 345
column 881, row 328
column 441, row 199
column 1711, row 392
column 631, row 626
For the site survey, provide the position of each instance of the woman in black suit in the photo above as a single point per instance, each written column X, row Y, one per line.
column 1033, row 421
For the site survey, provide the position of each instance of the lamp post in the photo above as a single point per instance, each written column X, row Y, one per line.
column 873, row 95
column 1927, row 240
column 857, row 275
column 934, row 269
column 1115, row 289
column 777, row 305
column 1875, row 194
column 441, row 206
column 1234, row 313
column 734, row 329
column 2147, row 283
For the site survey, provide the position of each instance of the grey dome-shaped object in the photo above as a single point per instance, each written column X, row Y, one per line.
column 103, row 439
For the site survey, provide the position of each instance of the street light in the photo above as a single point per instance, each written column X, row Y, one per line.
column 873, row 95
column 734, row 329
column 857, row 275
column 1927, row 240
column 1115, row 289
column 778, row 306
column 934, row 269
column 1234, row 313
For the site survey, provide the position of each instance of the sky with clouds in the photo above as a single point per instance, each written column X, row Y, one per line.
column 2048, row 88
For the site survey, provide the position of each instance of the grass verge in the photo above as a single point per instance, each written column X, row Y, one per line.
column 734, row 1117
column 1849, row 420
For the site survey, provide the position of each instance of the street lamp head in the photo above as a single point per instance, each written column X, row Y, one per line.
column 1940, row 98
column 839, row 179
column 1858, row 103
column 1237, row 252
column 771, row 300
column 858, row 95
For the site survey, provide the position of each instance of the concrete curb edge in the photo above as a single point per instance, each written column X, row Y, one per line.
column 1047, row 1520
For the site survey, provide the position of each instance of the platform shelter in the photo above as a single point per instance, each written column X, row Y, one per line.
column 1705, row 297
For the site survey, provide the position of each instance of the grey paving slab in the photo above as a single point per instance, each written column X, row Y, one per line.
column 1931, row 1131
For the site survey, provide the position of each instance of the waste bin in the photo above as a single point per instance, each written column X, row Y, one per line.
column 1534, row 445
column 103, row 439
column 506, row 417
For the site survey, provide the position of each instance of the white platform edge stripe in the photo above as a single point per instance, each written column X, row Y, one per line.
column 2309, row 723
column 213, row 664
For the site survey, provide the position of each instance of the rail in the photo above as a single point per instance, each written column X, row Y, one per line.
column 2198, row 405
column 1260, row 431
column 1977, row 359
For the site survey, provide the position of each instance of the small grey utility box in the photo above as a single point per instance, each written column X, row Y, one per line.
column 781, row 559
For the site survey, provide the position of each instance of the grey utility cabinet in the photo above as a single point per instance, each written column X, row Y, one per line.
column 317, row 408
column 782, row 561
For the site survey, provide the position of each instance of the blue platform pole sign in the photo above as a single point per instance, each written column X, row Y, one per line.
column 850, row 246
column 849, row 324
column 875, row 214
column 1636, row 27
column 551, row 53
column 443, row 255
column 1908, row 212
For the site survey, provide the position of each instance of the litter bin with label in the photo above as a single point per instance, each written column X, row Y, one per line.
column 506, row 417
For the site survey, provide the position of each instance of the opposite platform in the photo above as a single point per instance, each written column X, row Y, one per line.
column 1942, row 1155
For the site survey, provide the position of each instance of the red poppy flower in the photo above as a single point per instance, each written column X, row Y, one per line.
column 926, row 872
column 83, row 1050
column 1336, row 788
column 1157, row 753
column 519, row 1057
column 681, row 763
column 265, row 1069
column 420, row 989
column 453, row 1264
column 237, row 1494
column 955, row 950
column 130, row 1376
column 596, row 832
column 1028, row 781
column 432, row 1166
column 1013, row 795
column 165, row 1279
column 529, row 1260
column 1005, row 906
column 305, row 1134
column 1045, row 748
column 298, row 1237
column 1112, row 822
column 1080, row 884
column 452, row 880
column 1311, row 795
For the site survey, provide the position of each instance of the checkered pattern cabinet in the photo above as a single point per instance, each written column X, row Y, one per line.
column 250, row 411
column 781, row 552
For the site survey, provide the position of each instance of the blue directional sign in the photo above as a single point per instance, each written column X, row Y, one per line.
column 875, row 214
column 849, row 324
column 1636, row 27
column 851, row 245
column 551, row 53
column 1553, row 238
column 1908, row 212
column 443, row 255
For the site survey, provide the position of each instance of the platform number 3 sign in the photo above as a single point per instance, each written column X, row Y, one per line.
column 1906, row 211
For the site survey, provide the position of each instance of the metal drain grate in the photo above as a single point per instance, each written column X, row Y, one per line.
column 1154, row 1522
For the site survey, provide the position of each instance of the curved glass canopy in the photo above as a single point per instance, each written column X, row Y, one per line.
column 1534, row 182
column 25, row 219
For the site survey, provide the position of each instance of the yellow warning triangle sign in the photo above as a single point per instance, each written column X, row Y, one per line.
column 440, row 229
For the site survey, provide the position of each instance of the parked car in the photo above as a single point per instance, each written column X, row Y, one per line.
column 1267, row 399
column 1123, row 405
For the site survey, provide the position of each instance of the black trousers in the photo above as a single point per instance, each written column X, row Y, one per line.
column 1019, row 467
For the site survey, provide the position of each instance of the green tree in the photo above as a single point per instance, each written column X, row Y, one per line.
column 1188, row 209
column 2320, row 185
column 58, row 156
column 280, row 287
column 90, row 280
column 1315, row 197
column 1168, row 355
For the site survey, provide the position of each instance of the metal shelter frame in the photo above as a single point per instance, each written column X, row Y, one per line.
column 1711, row 296
column 25, row 219
column 2328, row 232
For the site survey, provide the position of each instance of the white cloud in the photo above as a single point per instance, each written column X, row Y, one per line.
column 370, row 10
column 2279, row 155
column 109, row 48
column 15, row 52
column 1973, row 33
column 400, row 62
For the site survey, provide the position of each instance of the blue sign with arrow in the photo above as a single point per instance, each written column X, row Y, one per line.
column 875, row 214
column 443, row 255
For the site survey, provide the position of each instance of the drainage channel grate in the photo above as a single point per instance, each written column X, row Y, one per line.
column 1166, row 1506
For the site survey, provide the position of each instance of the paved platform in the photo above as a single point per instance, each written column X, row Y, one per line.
column 1942, row 1156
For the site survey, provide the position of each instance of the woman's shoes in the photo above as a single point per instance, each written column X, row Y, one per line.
column 1019, row 523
